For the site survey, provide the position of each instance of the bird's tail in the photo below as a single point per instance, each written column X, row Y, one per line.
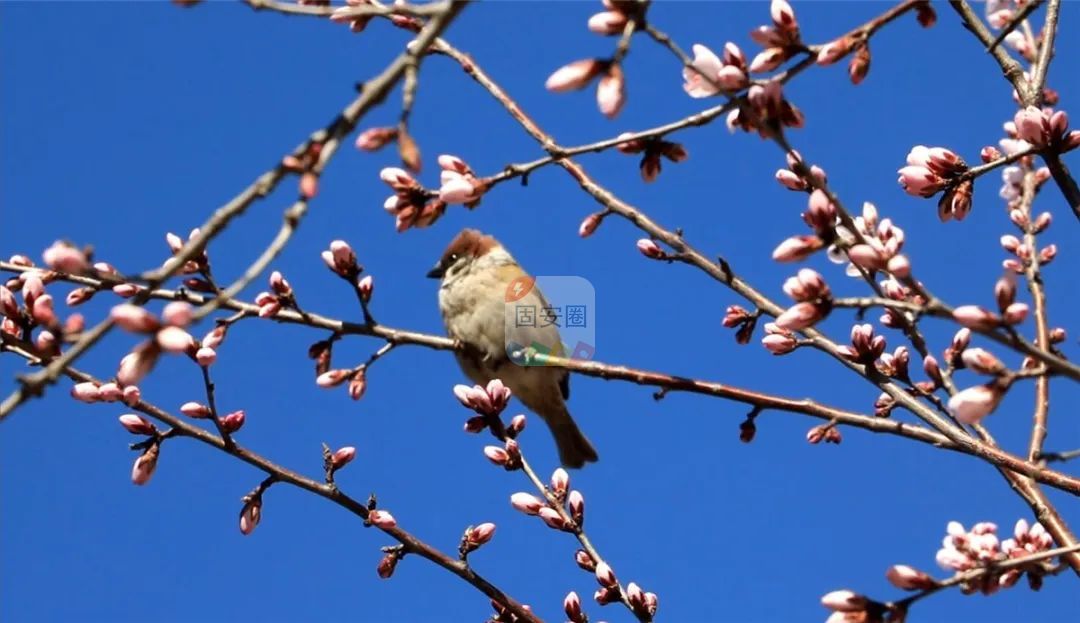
column 575, row 450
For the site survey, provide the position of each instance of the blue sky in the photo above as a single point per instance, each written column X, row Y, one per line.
column 122, row 121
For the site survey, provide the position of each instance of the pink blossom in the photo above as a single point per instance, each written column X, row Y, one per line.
column 700, row 83
column 458, row 189
column 233, row 422
column 982, row 361
column 834, row 51
column 779, row 343
column 1015, row 313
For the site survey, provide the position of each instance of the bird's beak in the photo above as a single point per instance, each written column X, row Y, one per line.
column 436, row 273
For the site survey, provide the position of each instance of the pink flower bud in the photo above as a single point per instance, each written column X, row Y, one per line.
column 779, row 343
column 1041, row 223
column 365, row 287
column 177, row 313
column 214, row 338
column 572, row 606
column 859, row 65
column 137, row 425
column 1046, row 255
column 576, row 75
column 9, row 307
column 21, row 260
column 137, row 364
column 86, row 392
column 989, row 154
column 333, row 378
column 650, row 249
column 342, row 456
column 560, row 480
column 844, row 601
column 233, row 421
column 834, row 51
column 517, row 424
column 908, row 578
column 589, row 225
column 145, row 465
column 526, row 503
column 576, row 502
column 974, row 403
column 975, row 317
column 43, row 311
column 611, row 92
column 475, row 424
column 205, row 356
column 799, row 316
column 790, row 180
column 635, row 596
column 982, row 361
column 358, row 384
column 497, row 455
column 344, row 259
column 866, row 256
column 605, row 575
column 279, row 284
column 797, row 248
column 899, row 266
column 1032, row 126
column 132, row 396
column 134, row 318
column 250, row 515
column 175, row 340
column 480, row 534
column 64, row 257
column 608, row 23
column 381, row 519
column 1015, row 313
column 195, row 410
column 374, row 139
column 176, row 243
column 768, row 60
column 110, row 392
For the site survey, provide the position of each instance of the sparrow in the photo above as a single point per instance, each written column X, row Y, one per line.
column 481, row 285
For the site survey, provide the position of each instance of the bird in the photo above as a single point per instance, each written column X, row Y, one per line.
column 478, row 278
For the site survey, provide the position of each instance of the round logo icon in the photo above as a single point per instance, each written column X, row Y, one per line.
column 519, row 288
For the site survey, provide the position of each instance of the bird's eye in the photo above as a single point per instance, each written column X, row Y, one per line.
column 453, row 257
